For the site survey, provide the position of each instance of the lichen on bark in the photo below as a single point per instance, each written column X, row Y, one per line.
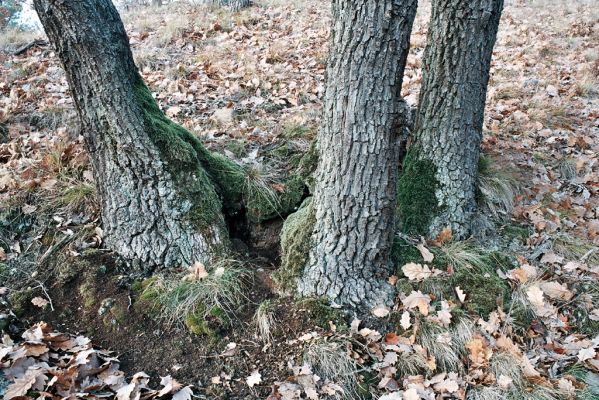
column 417, row 203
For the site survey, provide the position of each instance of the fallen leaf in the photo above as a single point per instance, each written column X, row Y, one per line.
column 405, row 320
column 416, row 272
column 586, row 354
column 427, row 256
column 556, row 290
column 380, row 311
column 184, row 394
column 254, row 379
column 39, row 302
column 418, row 300
column 460, row 293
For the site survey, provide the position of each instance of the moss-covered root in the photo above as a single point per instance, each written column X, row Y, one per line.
column 295, row 245
column 417, row 202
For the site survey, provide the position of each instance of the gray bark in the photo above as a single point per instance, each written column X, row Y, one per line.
column 235, row 5
column 354, row 197
column 148, row 197
column 449, row 122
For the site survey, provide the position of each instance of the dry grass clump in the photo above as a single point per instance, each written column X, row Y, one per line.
column 13, row 38
column 497, row 189
column 223, row 289
column 331, row 362
column 264, row 321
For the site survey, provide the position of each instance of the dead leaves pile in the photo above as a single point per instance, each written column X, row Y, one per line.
column 53, row 365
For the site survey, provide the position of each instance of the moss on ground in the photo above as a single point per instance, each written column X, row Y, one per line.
column 484, row 289
column 295, row 245
column 417, row 203
column 209, row 324
column 20, row 300
column 321, row 313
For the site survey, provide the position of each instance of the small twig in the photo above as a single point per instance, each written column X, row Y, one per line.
column 41, row 286
column 129, row 306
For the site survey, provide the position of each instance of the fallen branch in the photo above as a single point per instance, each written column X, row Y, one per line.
column 35, row 43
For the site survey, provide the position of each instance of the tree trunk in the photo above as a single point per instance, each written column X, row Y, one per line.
column 159, row 203
column 437, row 188
column 354, row 197
column 235, row 5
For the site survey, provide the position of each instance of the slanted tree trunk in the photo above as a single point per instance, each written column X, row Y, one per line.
column 437, row 187
column 159, row 196
column 354, row 198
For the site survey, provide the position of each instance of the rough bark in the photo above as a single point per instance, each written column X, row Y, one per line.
column 235, row 5
column 437, row 188
column 159, row 205
column 354, row 197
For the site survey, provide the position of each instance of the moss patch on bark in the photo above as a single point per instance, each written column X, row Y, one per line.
column 211, row 180
column 295, row 245
column 417, row 203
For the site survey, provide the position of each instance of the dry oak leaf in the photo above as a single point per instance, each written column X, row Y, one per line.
column 419, row 300
column 170, row 385
column 197, row 272
column 556, row 290
column 405, row 320
column 380, row 311
column 254, row 378
column 22, row 385
column 445, row 236
column 478, row 351
column 39, row 302
column 183, row 394
column 460, row 293
column 427, row 256
column 416, row 272
column 586, row 354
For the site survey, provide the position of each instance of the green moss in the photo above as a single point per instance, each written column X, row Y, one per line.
column 68, row 271
column 194, row 169
column 307, row 166
column 197, row 325
column 137, row 286
column 87, row 291
column 404, row 252
column 295, row 245
column 20, row 300
column 237, row 147
column 209, row 324
column 516, row 232
column 320, row 312
column 483, row 288
column 148, row 300
column 416, row 194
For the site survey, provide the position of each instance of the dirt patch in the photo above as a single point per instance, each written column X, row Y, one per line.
column 92, row 296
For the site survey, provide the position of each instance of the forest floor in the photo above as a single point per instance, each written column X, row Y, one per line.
column 515, row 315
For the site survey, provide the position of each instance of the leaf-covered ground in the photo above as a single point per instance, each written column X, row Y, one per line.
column 513, row 316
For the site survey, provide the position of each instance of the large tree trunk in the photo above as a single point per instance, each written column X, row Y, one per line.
column 437, row 188
column 354, row 198
column 159, row 205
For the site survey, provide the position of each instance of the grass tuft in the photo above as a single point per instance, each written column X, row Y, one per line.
column 264, row 320
column 221, row 292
